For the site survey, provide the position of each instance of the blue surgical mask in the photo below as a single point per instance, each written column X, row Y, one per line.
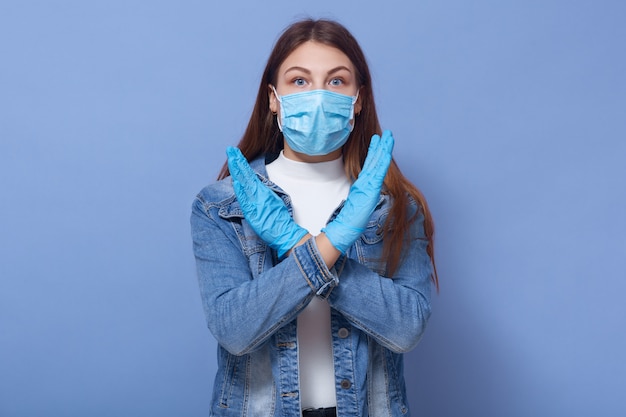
column 316, row 122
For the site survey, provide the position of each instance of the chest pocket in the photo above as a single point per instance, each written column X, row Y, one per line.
column 369, row 248
column 253, row 247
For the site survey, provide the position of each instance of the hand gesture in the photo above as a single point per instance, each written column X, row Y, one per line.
column 263, row 208
column 364, row 194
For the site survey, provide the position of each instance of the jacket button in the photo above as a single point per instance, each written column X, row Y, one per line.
column 345, row 384
column 343, row 333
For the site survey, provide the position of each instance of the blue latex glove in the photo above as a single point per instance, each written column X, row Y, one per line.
column 364, row 194
column 263, row 209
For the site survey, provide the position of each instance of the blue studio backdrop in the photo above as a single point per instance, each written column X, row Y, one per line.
column 509, row 115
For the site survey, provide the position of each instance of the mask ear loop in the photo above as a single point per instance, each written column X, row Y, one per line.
column 280, row 101
column 352, row 119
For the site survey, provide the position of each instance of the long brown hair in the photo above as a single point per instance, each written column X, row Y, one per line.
column 263, row 135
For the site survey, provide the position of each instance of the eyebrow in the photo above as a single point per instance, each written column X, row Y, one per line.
column 332, row 71
column 339, row 68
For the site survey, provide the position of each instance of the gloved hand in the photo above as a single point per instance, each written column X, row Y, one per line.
column 263, row 209
column 364, row 194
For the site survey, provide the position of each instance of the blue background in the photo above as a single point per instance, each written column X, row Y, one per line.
column 509, row 115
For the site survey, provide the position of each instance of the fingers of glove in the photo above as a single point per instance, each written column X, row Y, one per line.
column 366, row 189
column 265, row 211
column 238, row 166
column 248, row 198
column 365, row 192
column 387, row 142
column 248, row 188
column 378, row 156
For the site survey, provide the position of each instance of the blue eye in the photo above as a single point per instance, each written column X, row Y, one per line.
column 336, row 82
column 299, row 82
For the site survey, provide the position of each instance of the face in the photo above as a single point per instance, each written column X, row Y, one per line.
column 314, row 66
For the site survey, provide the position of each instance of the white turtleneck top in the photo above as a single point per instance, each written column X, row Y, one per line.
column 316, row 190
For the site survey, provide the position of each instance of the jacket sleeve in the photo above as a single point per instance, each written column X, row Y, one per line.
column 393, row 310
column 243, row 308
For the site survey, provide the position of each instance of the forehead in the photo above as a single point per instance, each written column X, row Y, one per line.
column 314, row 55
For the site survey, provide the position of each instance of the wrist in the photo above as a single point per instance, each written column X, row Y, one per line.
column 306, row 237
column 341, row 235
column 327, row 250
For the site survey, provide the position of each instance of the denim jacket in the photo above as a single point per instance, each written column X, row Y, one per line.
column 251, row 300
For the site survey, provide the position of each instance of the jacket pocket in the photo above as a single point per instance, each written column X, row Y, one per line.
column 254, row 248
column 369, row 247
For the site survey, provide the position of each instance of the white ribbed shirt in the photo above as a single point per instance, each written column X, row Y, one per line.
column 316, row 190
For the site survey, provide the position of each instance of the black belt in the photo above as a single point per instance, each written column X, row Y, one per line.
column 320, row 412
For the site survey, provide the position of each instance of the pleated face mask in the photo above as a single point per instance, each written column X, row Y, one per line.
column 316, row 122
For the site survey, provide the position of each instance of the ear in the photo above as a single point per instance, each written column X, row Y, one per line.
column 273, row 101
column 358, row 104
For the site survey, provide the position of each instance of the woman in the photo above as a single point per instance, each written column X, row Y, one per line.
column 315, row 258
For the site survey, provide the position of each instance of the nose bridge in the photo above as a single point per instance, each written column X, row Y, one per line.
column 318, row 83
column 318, row 80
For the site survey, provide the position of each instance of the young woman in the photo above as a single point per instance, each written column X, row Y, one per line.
column 314, row 253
